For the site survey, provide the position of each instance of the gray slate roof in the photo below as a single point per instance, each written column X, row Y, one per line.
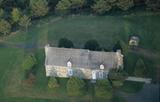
column 79, row 58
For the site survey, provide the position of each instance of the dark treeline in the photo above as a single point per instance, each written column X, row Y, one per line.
column 16, row 14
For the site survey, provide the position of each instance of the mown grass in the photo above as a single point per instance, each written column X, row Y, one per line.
column 132, row 87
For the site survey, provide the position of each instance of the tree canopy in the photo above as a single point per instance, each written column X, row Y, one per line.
column 125, row 4
column 75, row 86
column 65, row 6
column 5, row 27
column 101, row 6
column 1, row 13
column 64, row 42
column 92, row 45
column 15, row 14
column 39, row 7
column 52, row 83
column 24, row 22
column 29, row 62
column 140, row 68
column 103, row 89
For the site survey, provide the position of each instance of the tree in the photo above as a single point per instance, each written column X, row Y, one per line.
column 75, row 86
column 1, row 2
column 66, row 6
column 101, row 6
column 92, row 45
column 15, row 15
column 1, row 13
column 77, row 4
column 63, row 42
column 117, row 46
column 39, row 7
column 153, row 4
column 5, row 27
column 63, row 7
column 25, row 21
column 124, row 47
column 125, row 4
column 103, row 89
column 29, row 62
column 140, row 68
column 52, row 83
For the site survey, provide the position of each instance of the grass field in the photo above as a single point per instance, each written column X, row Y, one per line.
column 107, row 30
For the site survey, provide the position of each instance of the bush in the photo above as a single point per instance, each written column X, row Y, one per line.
column 140, row 68
column 65, row 43
column 117, row 77
column 103, row 89
column 24, row 22
column 92, row 45
column 5, row 27
column 75, row 86
column 52, row 83
column 29, row 62
column 117, row 46
column 67, row 6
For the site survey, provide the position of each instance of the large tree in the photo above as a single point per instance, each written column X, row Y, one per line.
column 24, row 22
column 75, row 86
column 52, row 83
column 29, row 62
column 64, row 42
column 140, row 68
column 103, row 89
column 101, row 6
column 15, row 15
column 66, row 6
column 1, row 13
column 92, row 45
column 39, row 7
column 5, row 27
column 63, row 7
column 125, row 4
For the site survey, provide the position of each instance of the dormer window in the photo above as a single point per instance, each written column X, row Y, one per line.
column 101, row 66
column 69, row 64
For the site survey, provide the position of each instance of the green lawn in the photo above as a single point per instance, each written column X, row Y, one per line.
column 107, row 30
column 132, row 87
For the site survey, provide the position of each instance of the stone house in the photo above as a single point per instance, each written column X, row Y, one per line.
column 66, row 62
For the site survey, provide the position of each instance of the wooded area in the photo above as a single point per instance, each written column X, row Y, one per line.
column 18, row 14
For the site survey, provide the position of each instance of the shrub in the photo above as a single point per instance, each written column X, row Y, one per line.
column 24, row 22
column 65, row 43
column 5, row 27
column 103, row 89
column 29, row 62
column 140, row 68
column 117, row 77
column 92, row 45
column 117, row 46
column 75, row 86
column 52, row 83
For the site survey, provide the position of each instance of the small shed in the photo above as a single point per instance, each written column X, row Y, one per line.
column 134, row 40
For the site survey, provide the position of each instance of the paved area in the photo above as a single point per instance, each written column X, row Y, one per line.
column 139, row 79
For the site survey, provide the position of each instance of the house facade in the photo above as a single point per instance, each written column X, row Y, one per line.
column 67, row 62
